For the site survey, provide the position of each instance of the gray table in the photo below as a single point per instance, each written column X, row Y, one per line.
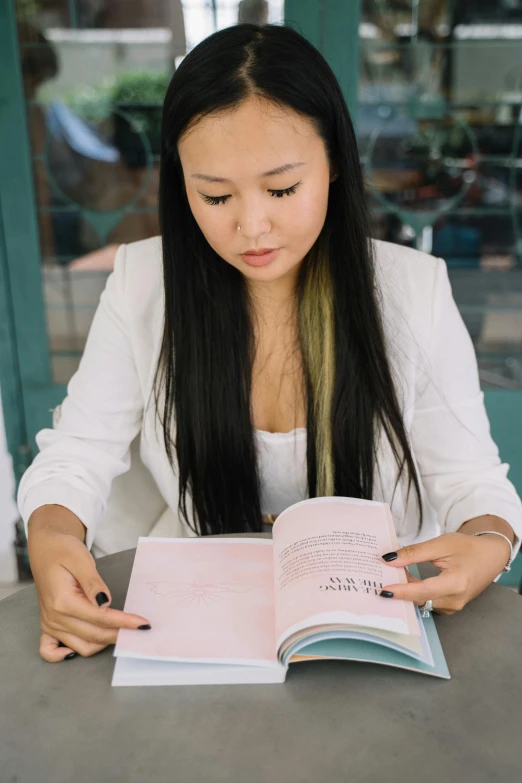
column 331, row 720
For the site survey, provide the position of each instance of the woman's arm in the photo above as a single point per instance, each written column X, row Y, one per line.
column 100, row 417
column 460, row 468
column 57, row 518
column 459, row 462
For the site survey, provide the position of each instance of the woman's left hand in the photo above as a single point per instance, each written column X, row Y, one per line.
column 468, row 564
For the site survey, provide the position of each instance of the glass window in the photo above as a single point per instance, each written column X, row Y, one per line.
column 439, row 127
column 95, row 74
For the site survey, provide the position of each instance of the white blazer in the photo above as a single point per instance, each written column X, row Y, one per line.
column 106, row 412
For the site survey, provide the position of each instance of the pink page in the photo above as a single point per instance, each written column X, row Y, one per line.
column 206, row 600
column 328, row 569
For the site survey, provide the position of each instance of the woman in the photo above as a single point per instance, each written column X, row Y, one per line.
column 257, row 380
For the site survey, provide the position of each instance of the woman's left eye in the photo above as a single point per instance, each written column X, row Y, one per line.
column 286, row 192
column 214, row 200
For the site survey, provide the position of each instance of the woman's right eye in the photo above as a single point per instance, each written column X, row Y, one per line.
column 215, row 199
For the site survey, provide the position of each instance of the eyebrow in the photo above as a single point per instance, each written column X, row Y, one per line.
column 272, row 173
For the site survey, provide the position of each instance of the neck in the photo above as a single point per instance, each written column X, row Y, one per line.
column 274, row 303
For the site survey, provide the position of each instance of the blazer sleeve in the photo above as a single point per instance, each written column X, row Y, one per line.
column 100, row 416
column 458, row 460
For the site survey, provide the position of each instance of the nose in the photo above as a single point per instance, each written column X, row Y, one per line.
column 254, row 217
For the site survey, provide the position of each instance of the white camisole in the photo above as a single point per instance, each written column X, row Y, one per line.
column 282, row 466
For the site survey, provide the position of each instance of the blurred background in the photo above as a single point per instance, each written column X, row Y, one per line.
column 435, row 91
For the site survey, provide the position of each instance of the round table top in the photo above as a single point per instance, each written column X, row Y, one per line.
column 349, row 721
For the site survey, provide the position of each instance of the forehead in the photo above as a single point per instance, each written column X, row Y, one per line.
column 258, row 136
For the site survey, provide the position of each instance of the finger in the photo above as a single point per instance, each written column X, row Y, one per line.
column 434, row 588
column 81, row 646
column 434, row 549
column 52, row 650
column 70, row 643
column 88, row 632
column 79, row 608
column 76, row 604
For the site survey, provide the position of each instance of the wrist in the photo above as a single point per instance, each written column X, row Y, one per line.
column 506, row 545
column 488, row 522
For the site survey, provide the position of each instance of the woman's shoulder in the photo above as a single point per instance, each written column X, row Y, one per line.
column 139, row 268
column 401, row 270
column 143, row 259
column 394, row 259
column 404, row 271
column 406, row 279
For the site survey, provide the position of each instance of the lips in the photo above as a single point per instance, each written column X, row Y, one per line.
column 261, row 252
column 261, row 259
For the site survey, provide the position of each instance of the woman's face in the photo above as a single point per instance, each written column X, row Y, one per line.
column 241, row 147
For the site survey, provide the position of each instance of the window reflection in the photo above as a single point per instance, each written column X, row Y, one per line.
column 95, row 74
column 439, row 115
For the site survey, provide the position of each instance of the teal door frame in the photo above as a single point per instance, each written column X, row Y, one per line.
column 332, row 26
column 28, row 392
column 10, row 386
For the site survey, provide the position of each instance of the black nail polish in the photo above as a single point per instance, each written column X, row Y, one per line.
column 71, row 655
column 390, row 556
column 143, row 627
column 102, row 598
column 386, row 594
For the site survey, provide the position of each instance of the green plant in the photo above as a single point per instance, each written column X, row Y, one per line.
column 147, row 87
column 92, row 102
column 26, row 10
column 95, row 102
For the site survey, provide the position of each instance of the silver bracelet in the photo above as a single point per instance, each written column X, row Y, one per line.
column 496, row 533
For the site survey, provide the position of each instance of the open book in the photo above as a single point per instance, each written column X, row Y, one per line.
column 240, row 610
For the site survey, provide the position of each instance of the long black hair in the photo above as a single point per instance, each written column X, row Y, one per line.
column 203, row 379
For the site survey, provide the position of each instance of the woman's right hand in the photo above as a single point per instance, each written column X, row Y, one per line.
column 68, row 586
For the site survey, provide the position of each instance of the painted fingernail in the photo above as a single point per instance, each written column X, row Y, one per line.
column 71, row 655
column 102, row 598
column 143, row 627
column 390, row 556
column 386, row 594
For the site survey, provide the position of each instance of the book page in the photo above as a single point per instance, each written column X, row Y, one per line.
column 328, row 567
column 207, row 600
